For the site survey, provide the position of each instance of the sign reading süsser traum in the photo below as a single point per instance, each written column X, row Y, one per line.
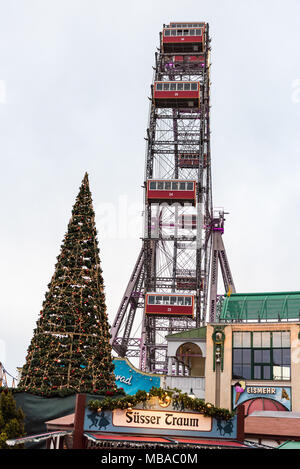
column 161, row 420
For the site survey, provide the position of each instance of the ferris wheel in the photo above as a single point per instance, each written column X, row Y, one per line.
column 173, row 286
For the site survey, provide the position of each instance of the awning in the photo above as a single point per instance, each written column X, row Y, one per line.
column 96, row 437
column 210, row 442
column 36, row 438
column 119, row 439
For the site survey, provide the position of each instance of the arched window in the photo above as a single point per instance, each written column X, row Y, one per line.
column 191, row 355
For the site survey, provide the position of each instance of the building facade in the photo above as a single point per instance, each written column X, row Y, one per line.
column 256, row 365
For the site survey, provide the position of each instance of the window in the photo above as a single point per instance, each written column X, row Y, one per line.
column 179, row 86
column 261, row 339
column 242, row 339
column 188, row 301
column 166, row 300
column 167, row 185
column 159, row 86
column 180, row 300
column 152, row 185
column 158, row 300
column 192, row 32
column 261, row 355
column 281, row 339
column 198, row 32
column 182, row 186
column 173, row 300
column 160, row 185
column 166, row 86
column 173, row 32
column 190, row 186
column 187, row 86
column 242, row 363
column 151, row 300
column 194, row 86
column 281, row 357
column 173, row 86
column 167, row 32
column 174, row 186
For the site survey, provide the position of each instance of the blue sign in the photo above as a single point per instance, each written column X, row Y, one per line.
column 131, row 379
column 159, row 422
column 242, row 393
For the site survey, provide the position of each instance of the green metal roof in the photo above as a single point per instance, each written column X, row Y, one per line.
column 290, row 445
column 197, row 333
column 261, row 306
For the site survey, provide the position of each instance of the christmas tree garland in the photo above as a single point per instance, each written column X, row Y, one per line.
column 184, row 400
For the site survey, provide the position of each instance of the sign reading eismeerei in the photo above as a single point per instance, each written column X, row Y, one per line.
column 138, row 418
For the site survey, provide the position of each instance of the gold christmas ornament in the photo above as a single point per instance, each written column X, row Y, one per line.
column 165, row 401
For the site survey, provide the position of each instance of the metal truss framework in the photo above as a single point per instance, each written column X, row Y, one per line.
column 174, row 252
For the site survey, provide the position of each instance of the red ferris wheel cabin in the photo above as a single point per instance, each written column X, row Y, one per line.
column 176, row 94
column 170, row 191
column 183, row 37
column 188, row 59
column 188, row 160
column 186, row 62
column 169, row 304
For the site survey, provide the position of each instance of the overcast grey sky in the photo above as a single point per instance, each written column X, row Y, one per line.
column 74, row 80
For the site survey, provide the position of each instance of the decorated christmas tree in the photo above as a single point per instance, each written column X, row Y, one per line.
column 70, row 349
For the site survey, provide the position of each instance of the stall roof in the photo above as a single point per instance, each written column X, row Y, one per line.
column 65, row 422
column 119, row 438
column 36, row 438
column 261, row 306
column 126, row 438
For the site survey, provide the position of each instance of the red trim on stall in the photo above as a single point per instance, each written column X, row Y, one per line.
column 121, row 437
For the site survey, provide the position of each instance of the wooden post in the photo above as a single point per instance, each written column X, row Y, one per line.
column 78, row 438
column 240, row 423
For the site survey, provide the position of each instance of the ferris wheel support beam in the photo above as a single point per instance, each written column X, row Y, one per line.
column 219, row 259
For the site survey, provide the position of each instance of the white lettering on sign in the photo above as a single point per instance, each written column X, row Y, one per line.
column 124, row 380
column 161, row 420
column 260, row 390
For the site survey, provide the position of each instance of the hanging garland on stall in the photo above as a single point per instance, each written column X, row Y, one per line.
column 182, row 400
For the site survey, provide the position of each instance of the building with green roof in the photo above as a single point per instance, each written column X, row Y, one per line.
column 261, row 307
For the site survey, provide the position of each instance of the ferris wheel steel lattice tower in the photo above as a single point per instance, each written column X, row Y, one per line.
column 173, row 286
